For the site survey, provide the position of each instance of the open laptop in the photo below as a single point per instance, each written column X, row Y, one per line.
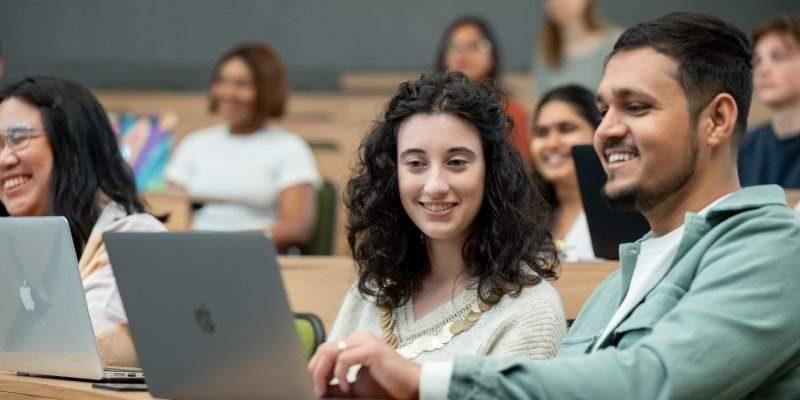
column 209, row 316
column 608, row 227
column 44, row 321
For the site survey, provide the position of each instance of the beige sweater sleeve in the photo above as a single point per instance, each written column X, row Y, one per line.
column 534, row 327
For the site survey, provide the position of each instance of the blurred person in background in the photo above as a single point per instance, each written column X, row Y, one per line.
column 250, row 174
column 469, row 46
column 771, row 152
column 572, row 46
column 565, row 116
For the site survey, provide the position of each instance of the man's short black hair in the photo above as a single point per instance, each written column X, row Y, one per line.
column 713, row 57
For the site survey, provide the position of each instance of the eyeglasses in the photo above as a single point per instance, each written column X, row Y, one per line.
column 18, row 137
column 483, row 46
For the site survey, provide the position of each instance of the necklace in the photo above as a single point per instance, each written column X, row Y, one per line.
column 430, row 342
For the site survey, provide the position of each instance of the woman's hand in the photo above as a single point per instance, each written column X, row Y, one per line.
column 384, row 373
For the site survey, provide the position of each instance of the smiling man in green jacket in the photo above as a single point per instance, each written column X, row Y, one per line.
column 706, row 304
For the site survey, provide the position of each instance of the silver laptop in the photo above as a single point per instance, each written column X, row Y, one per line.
column 44, row 321
column 209, row 315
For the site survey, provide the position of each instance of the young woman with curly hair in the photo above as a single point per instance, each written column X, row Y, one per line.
column 450, row 239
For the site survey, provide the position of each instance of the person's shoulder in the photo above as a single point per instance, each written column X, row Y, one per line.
column 357, row 304
column 757, row 134
column 202, row 136
column 139, row 222
column 277, row 133
column 116, row 219
column 537, row 300
column 536, row 308
column 757, row 217
column 355, row 296
column 775, row 217
column 289, row 144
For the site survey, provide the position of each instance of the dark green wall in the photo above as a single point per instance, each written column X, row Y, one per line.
column 172, row 44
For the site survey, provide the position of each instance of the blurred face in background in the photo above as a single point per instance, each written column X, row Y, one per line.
column 565, row 12
column 234, row 92
column 469, row 52
column 556, row 129
column 776, row 69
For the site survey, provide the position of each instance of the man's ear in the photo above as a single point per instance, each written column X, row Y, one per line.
column 718, row 119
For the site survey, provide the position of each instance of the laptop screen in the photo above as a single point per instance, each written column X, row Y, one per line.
column 608, row 227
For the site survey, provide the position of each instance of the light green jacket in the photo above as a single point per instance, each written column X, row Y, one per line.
column 722, row 323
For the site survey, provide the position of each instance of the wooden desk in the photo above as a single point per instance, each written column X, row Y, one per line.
column 15, row 387
column 319, row 284
column 577, row 281
column 177, row 206
column 313, row 284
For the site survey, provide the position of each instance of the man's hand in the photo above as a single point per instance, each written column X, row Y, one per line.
column 384, row 373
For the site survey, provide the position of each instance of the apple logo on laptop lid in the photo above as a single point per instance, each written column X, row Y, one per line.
column 25, row 296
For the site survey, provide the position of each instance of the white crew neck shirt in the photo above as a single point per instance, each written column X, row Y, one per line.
column 655, row 257
column 249, row 170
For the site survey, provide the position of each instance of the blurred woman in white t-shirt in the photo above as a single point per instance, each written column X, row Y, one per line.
column 249, row 173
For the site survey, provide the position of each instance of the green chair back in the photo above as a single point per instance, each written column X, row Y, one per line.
column 322, row 242
column 311, row 330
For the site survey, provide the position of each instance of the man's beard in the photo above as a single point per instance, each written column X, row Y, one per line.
column 638, row 197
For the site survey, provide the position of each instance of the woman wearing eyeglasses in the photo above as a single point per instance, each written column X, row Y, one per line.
column 470, row 47
column 59, row 157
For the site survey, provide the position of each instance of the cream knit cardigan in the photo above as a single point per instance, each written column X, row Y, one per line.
column 531, row 324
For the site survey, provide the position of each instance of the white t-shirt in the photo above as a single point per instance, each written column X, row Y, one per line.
column 249, row 170
column 655, row 257
column 577, row 244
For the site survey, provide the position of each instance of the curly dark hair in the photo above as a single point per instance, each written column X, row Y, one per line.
column 512, row 225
